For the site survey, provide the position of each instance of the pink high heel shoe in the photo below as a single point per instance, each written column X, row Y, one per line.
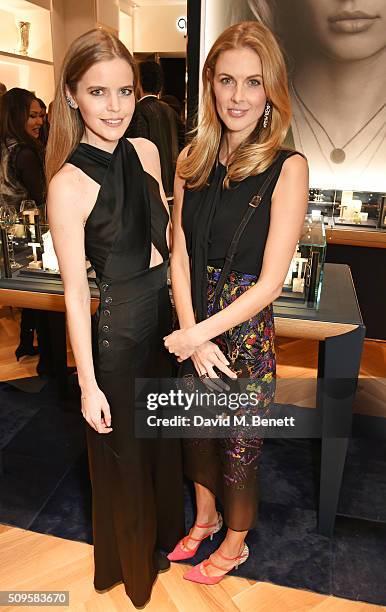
column 195, row 574
column 178, row 554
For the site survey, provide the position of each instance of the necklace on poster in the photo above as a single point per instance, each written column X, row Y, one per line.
column 337, row 154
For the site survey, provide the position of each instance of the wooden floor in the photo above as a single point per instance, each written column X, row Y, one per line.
column 36, row 562
column 31, row 561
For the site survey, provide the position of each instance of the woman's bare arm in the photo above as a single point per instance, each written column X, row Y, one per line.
column 179, row 264
column 67, row 212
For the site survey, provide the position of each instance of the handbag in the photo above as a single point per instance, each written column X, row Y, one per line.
column 190, row 379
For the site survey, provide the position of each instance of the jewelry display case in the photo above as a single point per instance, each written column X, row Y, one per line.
column 360, row 208
column 26, row 247
column 321, row 202
column 351, row 209
column 303, row 283
column 382, row 221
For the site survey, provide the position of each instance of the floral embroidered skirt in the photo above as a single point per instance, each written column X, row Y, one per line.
column 228, row 466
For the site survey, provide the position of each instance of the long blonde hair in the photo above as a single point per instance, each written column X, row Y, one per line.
column 67, row 126
column 257, row 152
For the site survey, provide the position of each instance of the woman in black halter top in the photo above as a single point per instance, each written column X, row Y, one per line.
column 105, row 202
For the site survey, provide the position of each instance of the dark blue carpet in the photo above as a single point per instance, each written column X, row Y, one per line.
column 45, row 488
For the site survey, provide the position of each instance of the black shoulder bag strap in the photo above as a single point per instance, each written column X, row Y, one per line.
column 252, row 206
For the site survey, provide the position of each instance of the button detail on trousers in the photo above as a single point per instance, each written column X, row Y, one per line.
column 104, row 287
column 106, row 312
column 105, row 343
column 105, row 328
column 109, row 300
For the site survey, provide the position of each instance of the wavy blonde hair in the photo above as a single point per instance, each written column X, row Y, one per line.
column 67, row 126
column 257, row 152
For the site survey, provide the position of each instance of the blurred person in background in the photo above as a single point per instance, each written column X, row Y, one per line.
column 21, row 153
column 49, row 113
column 176, row 105
column 3, row 90
column 43, row 136
column 156, row 121
column 22, row 178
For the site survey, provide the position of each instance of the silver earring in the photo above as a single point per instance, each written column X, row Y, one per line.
column 267, row 111
column 71, row 102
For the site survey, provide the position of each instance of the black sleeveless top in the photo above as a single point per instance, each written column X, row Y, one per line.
column 210, row 218
column 128, row 215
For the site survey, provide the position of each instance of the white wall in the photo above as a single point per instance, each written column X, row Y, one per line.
column 126, row 30
column 214, row 20
column 107, row 14
column 16, row 72
column 155, row 29
column 72, row 18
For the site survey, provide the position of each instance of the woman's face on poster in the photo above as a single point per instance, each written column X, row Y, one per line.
column 342, row 29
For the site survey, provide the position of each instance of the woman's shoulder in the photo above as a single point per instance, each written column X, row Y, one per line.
column 285, row 153
column 292, row 159
column 14, row 146
column 144, row 148
column 26, row 152
column 289, row 160
column 70, row 195
column 67, row 181
column 293, row 172
column 148, row 156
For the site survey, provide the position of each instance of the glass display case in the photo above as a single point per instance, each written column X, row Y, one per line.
column 348, row 208
column 26, row 246
column 303, row 283
column 382, row 222
column 23, row 242
column 360, row 208
column 321, row 202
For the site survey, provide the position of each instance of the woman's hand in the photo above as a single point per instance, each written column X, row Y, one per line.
column 182, row 343
column 96, row 411
column 205, row 358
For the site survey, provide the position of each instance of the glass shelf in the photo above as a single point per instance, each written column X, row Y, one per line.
column 303, row 283
column 353, row 209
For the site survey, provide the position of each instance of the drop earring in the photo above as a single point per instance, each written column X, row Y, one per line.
column 267, row 112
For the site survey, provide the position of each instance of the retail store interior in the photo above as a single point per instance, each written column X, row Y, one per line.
column 321, row 537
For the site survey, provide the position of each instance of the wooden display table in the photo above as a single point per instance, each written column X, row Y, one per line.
column 356, row 237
